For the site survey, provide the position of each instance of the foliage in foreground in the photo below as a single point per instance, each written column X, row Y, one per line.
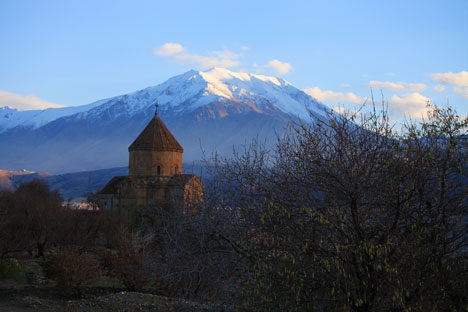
column 352, row 217
column 73, row 270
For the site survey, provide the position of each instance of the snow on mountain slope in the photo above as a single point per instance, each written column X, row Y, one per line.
column 33, row 119
column 179, row 94
column 240, row 86
column 189, row 91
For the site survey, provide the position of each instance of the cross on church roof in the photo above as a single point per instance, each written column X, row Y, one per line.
column 157, row 105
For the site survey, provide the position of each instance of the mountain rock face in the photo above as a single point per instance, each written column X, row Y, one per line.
column 207, row 111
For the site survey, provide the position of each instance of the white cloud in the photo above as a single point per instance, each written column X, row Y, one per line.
column 169, row 48
column 177, row 53
column 335, row 97
column 408, row 105
column 207, row 61
column 397, row 86
column 458, row 79
column 462, row 90
column 29, row 102
column 220, row 58
column 280, row 67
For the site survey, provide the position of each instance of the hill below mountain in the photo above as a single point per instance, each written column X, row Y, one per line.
column 9, row 179
column 77, row 185
column 207, row 111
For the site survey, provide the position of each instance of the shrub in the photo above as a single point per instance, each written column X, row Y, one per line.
column 131, row 264
column 72, row 270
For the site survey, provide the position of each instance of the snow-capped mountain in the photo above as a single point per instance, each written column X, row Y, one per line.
column 33, row 119
column 206, row 111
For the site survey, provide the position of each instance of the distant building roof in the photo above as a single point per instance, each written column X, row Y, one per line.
column 112, row 186
column 157, row 137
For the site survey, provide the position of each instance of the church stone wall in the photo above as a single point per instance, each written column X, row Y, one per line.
column 155, row 163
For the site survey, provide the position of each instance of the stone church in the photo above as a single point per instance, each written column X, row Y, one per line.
column 155, row 175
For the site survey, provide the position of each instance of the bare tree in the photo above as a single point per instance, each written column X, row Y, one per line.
column 347, row 214
column 177, row 254
column 33, row 214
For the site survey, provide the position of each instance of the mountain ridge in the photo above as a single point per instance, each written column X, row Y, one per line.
column 206, row 111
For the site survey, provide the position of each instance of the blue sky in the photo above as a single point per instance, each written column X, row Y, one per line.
column 74, row 52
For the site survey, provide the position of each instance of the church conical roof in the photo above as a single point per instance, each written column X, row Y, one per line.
column 156, row 137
